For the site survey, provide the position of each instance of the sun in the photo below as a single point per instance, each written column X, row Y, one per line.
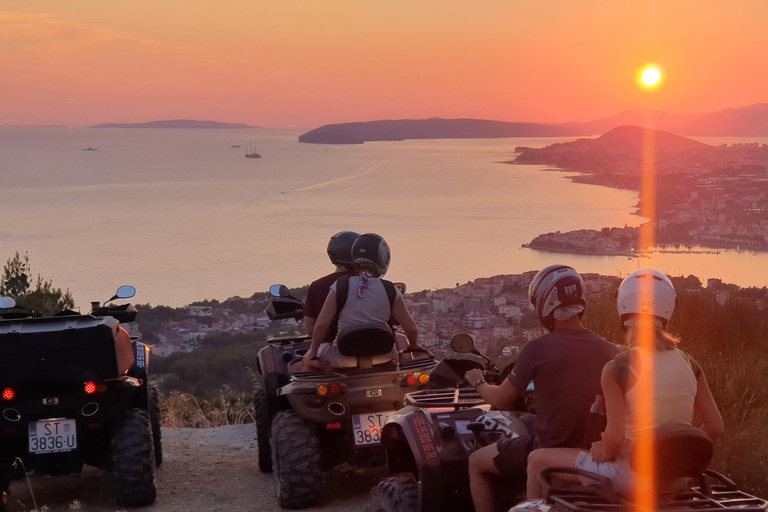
column 650, row 77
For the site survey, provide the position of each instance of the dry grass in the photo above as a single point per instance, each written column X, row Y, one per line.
column 182, row 410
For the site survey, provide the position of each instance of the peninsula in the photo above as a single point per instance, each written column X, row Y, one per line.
column 706, row 196
column 186, row 124
column 749, row 121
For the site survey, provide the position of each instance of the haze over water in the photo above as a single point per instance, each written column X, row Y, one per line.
column 183, row 216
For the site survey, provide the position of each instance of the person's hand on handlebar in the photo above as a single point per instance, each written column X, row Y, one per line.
column 474, row 377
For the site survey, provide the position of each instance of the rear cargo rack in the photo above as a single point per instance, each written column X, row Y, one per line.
column 456, row 398
column 716, row 492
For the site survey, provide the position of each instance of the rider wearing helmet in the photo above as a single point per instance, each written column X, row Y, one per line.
column 645, row 303
column 564, row 366
column 367, row 303
column 340, row 253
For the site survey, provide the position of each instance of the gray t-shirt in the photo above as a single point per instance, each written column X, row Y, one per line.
column 565, row 367
column 372, row 310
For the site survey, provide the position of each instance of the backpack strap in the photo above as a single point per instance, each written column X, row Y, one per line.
column 342, row 292
column 391, row 291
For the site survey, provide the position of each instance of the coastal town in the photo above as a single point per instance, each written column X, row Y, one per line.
column 494, row 310
column 706, row 197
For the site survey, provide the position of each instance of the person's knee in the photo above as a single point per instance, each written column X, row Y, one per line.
column 537, row 460
column 481, row 461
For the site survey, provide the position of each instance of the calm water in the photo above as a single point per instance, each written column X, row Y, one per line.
column 183, row 216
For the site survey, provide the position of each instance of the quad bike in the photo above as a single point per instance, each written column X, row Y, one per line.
column 310, row 421
column 679, row 452
column 74, row 392
column 428, row 442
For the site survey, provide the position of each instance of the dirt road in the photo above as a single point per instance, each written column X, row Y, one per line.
column 203, row 470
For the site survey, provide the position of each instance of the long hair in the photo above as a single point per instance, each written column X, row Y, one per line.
column 662, row 340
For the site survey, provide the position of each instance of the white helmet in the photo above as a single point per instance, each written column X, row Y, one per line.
column 646, row 291
column 553, row 287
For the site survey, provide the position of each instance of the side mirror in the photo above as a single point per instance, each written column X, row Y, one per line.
column 7, row 303
column 125, row 292
column 401, row 287
column 462, row 343
column 278, row 290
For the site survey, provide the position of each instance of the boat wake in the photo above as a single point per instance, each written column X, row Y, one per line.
column 339, row 180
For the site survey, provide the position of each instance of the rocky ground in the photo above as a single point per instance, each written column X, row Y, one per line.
column 203, row 470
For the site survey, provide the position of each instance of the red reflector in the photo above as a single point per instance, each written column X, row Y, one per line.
column 94, row 425
column 90, row 387
column 331, row 426
column 8, row 394
column 335, row 389
column 411, row 380
column 8, row 432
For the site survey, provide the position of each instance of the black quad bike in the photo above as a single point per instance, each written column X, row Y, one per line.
column 310, row 421
column 428, row 442
column 75, row 391
column 677, row 453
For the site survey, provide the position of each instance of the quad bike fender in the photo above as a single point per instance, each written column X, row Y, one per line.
column 272, row 370
column 123, row 349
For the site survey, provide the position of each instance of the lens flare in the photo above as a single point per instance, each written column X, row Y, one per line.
column 650, row 77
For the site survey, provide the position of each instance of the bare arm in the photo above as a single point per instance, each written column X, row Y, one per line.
column 705, row 407
column 309, row 324
column 500, row 397
column 403, row 317
column 615, row 411
column 321, row 325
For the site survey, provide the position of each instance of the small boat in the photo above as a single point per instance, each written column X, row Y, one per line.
column 251, row 152
column 89, row 148
column 235, row 145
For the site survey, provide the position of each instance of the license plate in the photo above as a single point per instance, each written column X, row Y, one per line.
column 367, row 427
column 52, row 436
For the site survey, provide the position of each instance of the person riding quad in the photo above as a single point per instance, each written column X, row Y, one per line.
column 340, row 252
column 645, row 302
column 367, row 304
column 564, row 366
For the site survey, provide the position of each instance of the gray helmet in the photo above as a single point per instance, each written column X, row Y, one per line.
column 340, row 248
column 372, row 248
column 555, row 286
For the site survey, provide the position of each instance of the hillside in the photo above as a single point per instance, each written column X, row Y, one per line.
column 186, row 124
column 435, row 128
column 749, row 121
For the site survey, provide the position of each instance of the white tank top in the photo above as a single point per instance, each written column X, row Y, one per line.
column 674, row 386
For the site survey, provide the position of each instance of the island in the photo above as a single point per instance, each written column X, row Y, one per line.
column 749, row 121
column 707, row 196
column 185, row 124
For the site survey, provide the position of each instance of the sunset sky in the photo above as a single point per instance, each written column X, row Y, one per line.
column 307, row 63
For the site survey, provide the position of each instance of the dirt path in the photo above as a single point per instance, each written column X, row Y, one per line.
column 203, row 470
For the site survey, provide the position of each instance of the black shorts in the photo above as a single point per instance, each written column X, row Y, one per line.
column 512, row 460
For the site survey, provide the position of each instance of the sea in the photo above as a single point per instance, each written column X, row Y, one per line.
column 183, row 216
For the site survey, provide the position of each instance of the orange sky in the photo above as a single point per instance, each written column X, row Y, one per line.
column 308, row 63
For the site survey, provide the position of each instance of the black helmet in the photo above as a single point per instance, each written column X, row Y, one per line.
column 340, row 248
column 371, row 248
column 555, row 286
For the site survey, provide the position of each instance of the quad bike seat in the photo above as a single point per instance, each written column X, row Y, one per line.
column 679, row 452
column 364, row 343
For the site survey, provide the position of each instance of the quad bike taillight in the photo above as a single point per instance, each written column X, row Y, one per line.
column 8, row 394
column 90, row 388
column 412, row 380
column 324, row 389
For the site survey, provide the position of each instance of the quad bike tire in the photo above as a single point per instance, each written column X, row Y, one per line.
column 156, row 420
column 132, row 457
column 295, row 460
column 395, row 494
column 262, row 431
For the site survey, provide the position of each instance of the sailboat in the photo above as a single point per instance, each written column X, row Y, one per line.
column 251, row 152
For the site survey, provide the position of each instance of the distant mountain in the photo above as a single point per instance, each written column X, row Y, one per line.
column 434, row 128
column 177, row 124
column 630, row 138
column 751, row 121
